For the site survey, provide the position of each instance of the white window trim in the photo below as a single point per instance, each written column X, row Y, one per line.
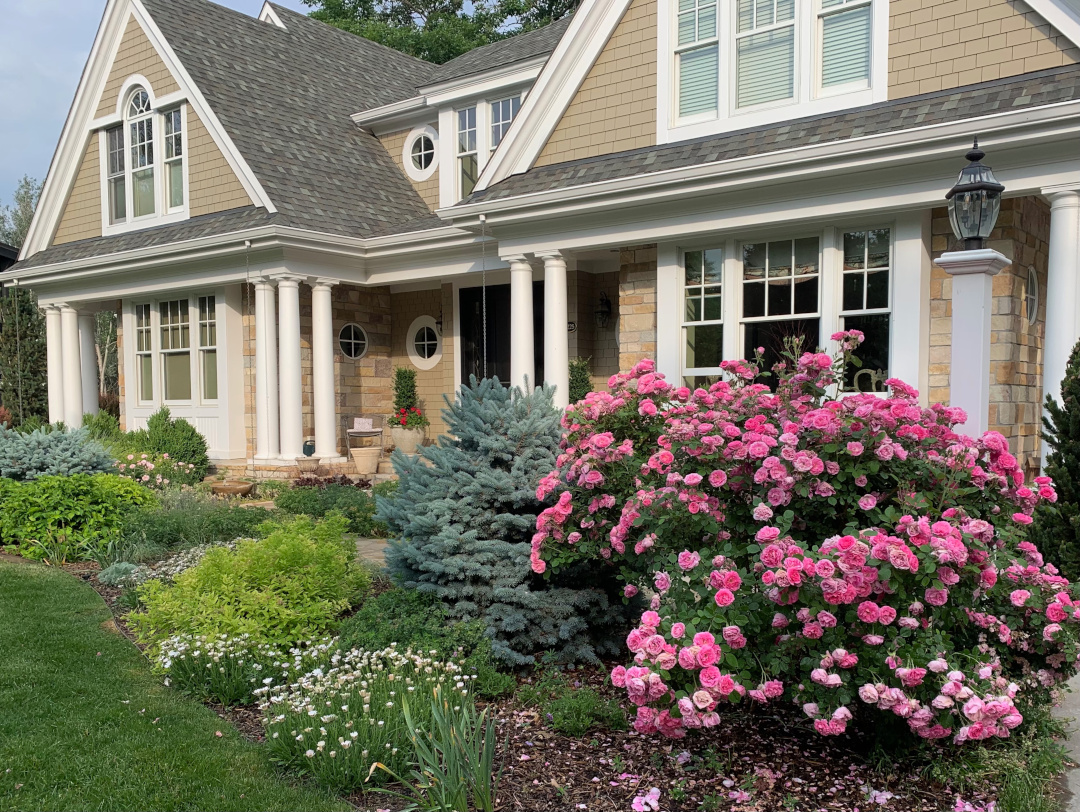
column 137, row 371
column 490, row 103
column 201, row 350
column 162, row 215
column 809, row 98
column 367, row 341
column 420, row 175
column 722, row 322
column 410, row 343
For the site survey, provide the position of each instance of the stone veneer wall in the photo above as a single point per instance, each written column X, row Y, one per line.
column 433, row 383
column 1022, row 234
column 599, row 344
column 636, row 306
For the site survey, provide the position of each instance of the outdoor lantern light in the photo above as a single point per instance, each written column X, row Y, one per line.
column 975, row 201
column 603, row 311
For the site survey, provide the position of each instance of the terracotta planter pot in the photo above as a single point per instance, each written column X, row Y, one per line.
column 366, row 460
column 407, row 440
column 309, row 466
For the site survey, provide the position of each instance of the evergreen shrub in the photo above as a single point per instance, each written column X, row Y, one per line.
column 285, row 588
column 463, row 515
column 1056, row 531
column 580, row 380
column 78, row 515
column 48, row 452
column 180, row 440
column 851, row 555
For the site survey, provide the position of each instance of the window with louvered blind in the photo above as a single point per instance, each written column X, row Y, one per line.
column 845, row 43
column 765, row 51
column 698, row 57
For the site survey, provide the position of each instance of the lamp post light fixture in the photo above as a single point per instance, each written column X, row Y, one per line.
column 975, row 201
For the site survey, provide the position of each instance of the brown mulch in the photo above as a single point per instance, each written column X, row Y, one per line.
column 762, row 759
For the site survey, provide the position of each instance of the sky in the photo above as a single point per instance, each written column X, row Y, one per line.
column 45, row 45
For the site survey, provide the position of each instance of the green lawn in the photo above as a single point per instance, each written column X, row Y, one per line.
column 84, row 725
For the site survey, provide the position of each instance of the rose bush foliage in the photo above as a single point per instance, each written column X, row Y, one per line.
column 842, row 553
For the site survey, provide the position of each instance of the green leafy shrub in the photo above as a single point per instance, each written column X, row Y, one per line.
column 81, row 513
column 180, row 440
column 185, row 519
column 103, row 427
column 356, row 505
column 47, row 452
column 580, row 380
column 288, row 587
column 418, row 621
column 464, row 513
column 572, row 709
column 118, row 574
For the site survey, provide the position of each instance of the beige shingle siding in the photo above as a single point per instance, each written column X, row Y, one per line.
column 615, row 107
column 431, row 384
column 136, row 55
column 213, row 186
column 82, row 214
column 941, row 44
column 427, row 189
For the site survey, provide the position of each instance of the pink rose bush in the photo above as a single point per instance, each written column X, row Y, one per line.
column 847, row 554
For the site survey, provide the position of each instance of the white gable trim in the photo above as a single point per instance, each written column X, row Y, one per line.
column 1061, row 15
column 269, row 15
column 78, row 127
column 558, row 83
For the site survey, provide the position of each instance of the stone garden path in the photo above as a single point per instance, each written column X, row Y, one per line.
column 372, row 550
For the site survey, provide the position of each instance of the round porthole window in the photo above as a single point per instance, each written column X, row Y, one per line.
column 1031, row 294
column 353, row 341
column 423, row 152
column 420, row 153
column 424, row 343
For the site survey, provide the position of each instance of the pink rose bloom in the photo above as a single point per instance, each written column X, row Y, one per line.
column 724, row 597
column 826, row 619
column 779, row 621
column 602, row 441
column 861, row 480
column 868, row 502
column 825, row 568
column 1019, row 597
column 688, row 560
column 650, row 619
column 1021, row 518
column 662, row 581
column 703, row 699
column 692, row 479
column 772, row 556
column 717, row 479
column 873, row 639
column 630, row 590
column 762, row 513
column 709, row 677
column 678, row 630
column 1055, row 612
column 936, row 597
column 1050, row 630
column 868, row 693
column 868, row 612
column 810, row 709
column 732, row 580
column 726, row 685
column 773, row 688
column 708, row 655
column 767, row 533
column 854, row 448
column 618, row 676
column 688, row 658
column 887, row 615
column 704, row 639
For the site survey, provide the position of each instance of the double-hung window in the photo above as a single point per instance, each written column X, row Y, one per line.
column 844, row 27
column 144, row 353
column 141, row 138
column 867, row 276
column 208, row 347
column 503, row 113
column 697, row 57
column 116, row 176
column 468, row 161
column 780, row 285
column 174, row 160
column 764, row 52
column 703, row 312
column 176, row 349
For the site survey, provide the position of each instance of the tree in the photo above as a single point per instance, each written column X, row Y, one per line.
column 533, row 14
column 1056, row 530
column 23, row 371
column 463, row 517
column 15, row 219
column 105, row 346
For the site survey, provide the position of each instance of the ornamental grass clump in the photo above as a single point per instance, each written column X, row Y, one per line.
column 851, row 555
column 230, row 669
column 336, row 723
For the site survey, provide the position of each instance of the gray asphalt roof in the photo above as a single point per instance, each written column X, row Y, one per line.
column 207, row 225
column 1024, row 91
column 530, row 45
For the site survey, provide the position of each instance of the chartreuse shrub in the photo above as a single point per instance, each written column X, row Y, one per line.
column 50, row 452
column 852, row 556
column 59, row 518
column 418, row 621
column 287, row 587
column 463, row 515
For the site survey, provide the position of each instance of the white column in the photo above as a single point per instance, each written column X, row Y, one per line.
column 1062, row 301
column 292, row 397
column 972, row 275
column 73, row 399
column 54, row 350
column 324, row 400
column 909, row 338
column 266, row 377
column 556, row 342
column 522, row 351
column 88, row 359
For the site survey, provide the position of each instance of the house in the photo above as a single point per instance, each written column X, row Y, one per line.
column 282, row 212
column 8, row 255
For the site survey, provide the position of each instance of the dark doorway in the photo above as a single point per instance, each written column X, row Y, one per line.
column 471, row 312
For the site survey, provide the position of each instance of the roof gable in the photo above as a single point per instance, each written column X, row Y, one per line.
column 1064, row 15
column 519, row 48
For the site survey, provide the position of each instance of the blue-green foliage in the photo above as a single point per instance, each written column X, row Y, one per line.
column 47, row 452
column 463, row 516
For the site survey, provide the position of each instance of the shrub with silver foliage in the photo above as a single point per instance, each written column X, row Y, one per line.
column 48, row 452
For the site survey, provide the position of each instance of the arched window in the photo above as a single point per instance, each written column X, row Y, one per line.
column 146, row 147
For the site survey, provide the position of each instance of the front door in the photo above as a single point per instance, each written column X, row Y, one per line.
column 471, row 311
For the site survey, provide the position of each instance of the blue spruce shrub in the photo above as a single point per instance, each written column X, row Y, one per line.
column 464, row 514
column 48, row 452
